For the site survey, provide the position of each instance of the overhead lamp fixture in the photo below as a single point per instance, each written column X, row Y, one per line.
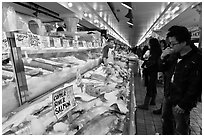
column 127, row 5
column 168, row 16
column 130, row 22
column 70, row 4
column 101, row 26
column 85, row 14
column 129, row 14
column 96, row 21
column 175, row 9
column 90, row 15
column 162, row 22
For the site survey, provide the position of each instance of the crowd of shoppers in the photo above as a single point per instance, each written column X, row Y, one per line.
column 180, row 62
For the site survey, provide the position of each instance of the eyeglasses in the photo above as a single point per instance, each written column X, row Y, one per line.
column 174, row 44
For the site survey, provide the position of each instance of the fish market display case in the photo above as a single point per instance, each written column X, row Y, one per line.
column 66, row 91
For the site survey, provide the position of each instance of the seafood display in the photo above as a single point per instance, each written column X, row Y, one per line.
column 101, row 104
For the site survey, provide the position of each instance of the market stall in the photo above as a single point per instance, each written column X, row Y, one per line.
column 56, row 84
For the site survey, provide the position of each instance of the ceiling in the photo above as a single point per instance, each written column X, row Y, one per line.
column 144, row 15
column 112, row 16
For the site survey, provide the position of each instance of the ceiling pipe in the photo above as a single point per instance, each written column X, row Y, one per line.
column 43, row 8
column 112, row 9
column 130, row 22
column 35, row 8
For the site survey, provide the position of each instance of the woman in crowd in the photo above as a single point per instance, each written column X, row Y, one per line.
column 151, row 67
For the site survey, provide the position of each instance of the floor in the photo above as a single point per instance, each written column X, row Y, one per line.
column 149, row 124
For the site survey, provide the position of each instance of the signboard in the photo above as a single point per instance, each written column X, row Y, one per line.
column 75, row 43
column 22, row 40
column 65, row 43
column 5, row 46
column 63, row 101
column 195, row 32
column 78, row 77
column 84, row 44
column 45, row 41
column 57, row 42
column 34, row 41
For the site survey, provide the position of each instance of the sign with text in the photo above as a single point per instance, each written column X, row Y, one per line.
column 57, row 42
column 63, row 101
column 22, row 40
column 84, row 44
column 5, row 46
column 34, row 41
column 45, row 41
column 65, row 43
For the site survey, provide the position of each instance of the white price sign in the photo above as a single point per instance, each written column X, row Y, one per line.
column 65, row 43
column 45, row 41
column 22, row 40
column 5, row 46
column 34, row 41
column 57, row 42
column 63, row 101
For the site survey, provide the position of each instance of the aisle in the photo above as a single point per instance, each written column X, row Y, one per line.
column 149, row 124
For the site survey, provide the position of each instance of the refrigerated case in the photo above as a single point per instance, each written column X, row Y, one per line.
column 54, row 75
column 40, row 73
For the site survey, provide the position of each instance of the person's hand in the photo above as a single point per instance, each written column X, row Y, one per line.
column 178, row 109
column 166, row 52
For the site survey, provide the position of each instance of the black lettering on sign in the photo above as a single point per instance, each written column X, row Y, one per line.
column 62, row 107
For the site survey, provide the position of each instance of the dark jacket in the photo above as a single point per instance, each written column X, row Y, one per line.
column 152, row 62
column 187, row 84
column 167, row 66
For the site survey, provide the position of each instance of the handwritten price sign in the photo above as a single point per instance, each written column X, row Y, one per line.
column 63, row 101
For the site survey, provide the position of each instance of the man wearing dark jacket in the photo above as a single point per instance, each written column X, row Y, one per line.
column 185, row 86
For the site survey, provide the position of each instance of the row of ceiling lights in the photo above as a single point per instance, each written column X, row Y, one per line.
column 96, row 21
column 169, row 15
column 129, row 14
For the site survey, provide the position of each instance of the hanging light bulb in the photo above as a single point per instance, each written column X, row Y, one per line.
column 70, row 4
column 90, row 15
column 175, row 9
column 96, row 21
column 85, row 14
column 130, row 22
column 127, row 5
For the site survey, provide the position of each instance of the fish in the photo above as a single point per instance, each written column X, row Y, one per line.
column 89, row 115
column 100, row 125
column 86, row 105
column 23, row 114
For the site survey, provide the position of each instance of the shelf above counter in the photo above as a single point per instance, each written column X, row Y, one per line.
column 55, row 52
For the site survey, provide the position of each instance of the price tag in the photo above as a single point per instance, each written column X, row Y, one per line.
column 34, row 41
column 65, row 43
column 45, row 41
column 22, row 40
column 5, row 46
column 84, row 44
column 63, row 101
column 57, row 42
